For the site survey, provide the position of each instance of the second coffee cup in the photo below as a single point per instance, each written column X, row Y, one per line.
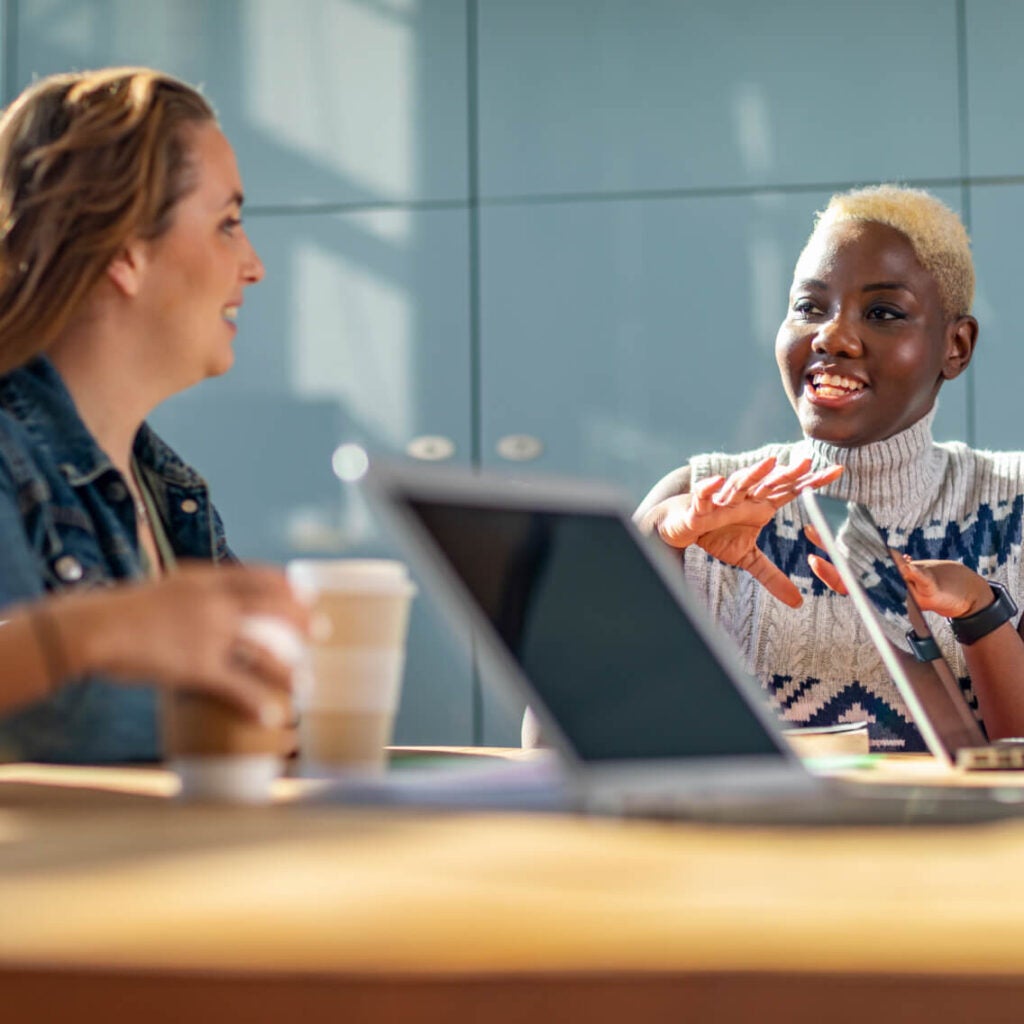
column 350, row 691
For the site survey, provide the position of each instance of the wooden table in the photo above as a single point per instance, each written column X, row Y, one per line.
column 119, row 904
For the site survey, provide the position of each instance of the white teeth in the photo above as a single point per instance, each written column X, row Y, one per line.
column 833, row 385
column 230, row 313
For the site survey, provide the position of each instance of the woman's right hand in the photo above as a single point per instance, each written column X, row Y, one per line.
column 188, row 630
column 724, row 515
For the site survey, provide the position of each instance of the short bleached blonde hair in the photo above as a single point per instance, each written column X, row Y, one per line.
column 935, row 233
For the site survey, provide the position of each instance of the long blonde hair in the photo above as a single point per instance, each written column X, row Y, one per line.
column 88, row 160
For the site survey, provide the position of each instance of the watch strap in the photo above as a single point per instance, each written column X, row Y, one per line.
column 971, row 628
column 924, row 648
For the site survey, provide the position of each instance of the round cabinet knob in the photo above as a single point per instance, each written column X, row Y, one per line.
column 520, row 447
column 431, row 448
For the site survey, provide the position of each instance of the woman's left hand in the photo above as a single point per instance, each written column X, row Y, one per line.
column 947, row 588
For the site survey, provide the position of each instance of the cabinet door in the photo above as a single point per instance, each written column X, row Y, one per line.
column 998, row 365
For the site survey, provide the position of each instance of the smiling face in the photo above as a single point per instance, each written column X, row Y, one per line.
column 865, row 345
column 196, row 271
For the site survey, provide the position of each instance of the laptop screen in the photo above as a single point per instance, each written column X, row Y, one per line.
column 859, row 542
column 597, row 633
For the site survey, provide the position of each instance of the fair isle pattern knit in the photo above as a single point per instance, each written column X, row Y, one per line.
column 932, row 501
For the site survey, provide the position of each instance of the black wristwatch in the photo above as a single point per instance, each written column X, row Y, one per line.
column 972, row 628
column 924, row 648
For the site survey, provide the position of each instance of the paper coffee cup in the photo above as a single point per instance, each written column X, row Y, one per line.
column 349, row 692
column 218, row 751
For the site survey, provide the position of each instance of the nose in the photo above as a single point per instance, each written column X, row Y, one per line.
column 838, row 337
column 252, row 266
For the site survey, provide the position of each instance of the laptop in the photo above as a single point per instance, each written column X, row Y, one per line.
column 900, row 631
column 642, row 698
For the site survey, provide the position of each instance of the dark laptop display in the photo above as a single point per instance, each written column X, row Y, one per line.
column 578, row 609
column 865, row 551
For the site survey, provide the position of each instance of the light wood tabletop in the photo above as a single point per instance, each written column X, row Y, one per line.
column 120, row 903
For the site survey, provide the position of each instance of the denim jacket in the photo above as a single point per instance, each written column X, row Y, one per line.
column 67, row 521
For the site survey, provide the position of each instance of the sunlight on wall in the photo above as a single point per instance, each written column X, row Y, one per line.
column 769, row 286
column 349, row 109
column 352, row 340
column 753, row 128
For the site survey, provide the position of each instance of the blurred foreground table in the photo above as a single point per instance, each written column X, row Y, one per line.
column 119, row 904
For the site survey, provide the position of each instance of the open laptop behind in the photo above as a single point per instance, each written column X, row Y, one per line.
column 640, row 694
column 900, row 631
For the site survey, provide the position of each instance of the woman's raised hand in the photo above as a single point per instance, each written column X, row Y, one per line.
column 724, row 515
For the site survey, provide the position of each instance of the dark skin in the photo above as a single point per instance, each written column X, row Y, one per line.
column 864, row 349
column 864, row 312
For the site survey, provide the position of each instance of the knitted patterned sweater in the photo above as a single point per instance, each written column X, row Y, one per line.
column 931, row 500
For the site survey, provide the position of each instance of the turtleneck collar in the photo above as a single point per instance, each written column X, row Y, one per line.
column 895, row 478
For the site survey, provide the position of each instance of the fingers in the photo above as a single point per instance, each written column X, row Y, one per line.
column 811, row 533
column 764, row 481
column 256, row 589
column 675, row 516
column 916, row 578
column 782, row 488
column 904, row 563
column 253, row 680
column 819, row 478
column 772, row 578
column 702, row 495
column 738, row 484
column 827, row 573
column 259, row 663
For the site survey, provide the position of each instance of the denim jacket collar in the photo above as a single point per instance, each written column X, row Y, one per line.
column 37, row 395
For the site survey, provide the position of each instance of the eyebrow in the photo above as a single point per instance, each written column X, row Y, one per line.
column 886, row 286
column 875, row 286
column 235, row 197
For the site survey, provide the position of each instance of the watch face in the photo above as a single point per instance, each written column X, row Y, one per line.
column 924, row 648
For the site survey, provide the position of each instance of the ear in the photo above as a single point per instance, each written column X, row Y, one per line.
column 961, row 337
column 127, row 269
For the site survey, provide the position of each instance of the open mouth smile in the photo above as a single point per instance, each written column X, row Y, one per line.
column 832, row 388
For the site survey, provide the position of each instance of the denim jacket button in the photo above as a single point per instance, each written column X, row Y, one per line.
column 68, row 568
column 190, row 505
column 117, row 491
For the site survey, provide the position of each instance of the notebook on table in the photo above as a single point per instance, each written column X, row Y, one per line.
column 642, row 698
